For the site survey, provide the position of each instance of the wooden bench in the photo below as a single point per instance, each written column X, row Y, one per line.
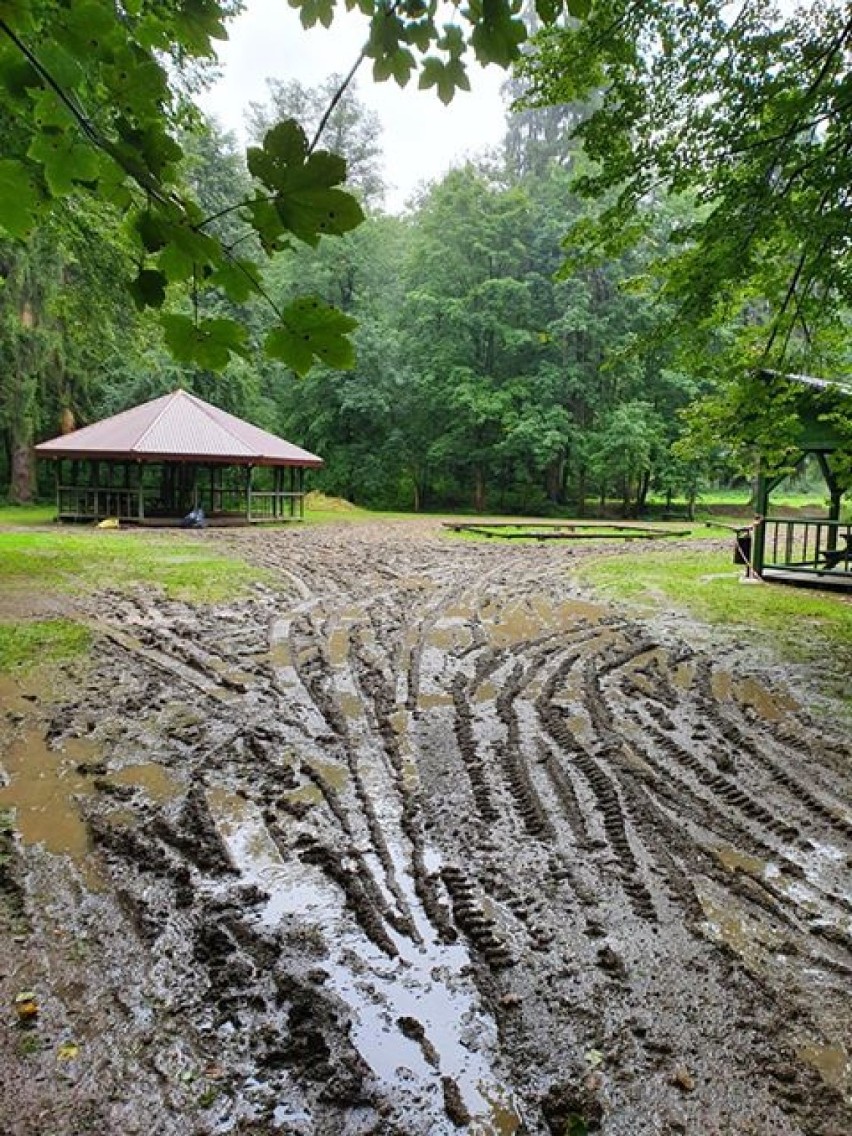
column 829, row 558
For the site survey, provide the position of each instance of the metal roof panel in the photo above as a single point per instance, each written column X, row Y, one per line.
column 175, row 426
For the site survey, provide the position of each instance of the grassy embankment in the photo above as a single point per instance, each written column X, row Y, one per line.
column 802, row 625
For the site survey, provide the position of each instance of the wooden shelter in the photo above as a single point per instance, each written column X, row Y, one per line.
column 808, row 549
column 156, row 462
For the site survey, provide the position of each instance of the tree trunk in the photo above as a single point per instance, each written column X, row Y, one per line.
column 22, row 479
column 479, row 491
column 581, row 492
column 642, row 495
column 625, row 499
column 555, row 480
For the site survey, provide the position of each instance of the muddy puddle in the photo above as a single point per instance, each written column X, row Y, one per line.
column 417, row 841
column 46, row 785
column 417, row 1020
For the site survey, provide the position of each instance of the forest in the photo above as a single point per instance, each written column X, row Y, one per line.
column 536, row 330
column 548, row 326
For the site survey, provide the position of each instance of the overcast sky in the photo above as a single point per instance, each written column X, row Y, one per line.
column 422, row 138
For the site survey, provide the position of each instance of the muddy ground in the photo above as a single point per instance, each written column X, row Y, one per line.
column 420, row 840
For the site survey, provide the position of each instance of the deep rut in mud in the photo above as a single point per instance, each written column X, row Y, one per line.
column 421, row 841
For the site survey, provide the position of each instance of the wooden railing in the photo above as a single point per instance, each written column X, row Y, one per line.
column 78, row 503
column 808, row 545
column 271, row 505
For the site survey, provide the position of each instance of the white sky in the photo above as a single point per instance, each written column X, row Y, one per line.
column 421, row 139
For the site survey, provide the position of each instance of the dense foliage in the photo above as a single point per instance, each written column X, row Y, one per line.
column 744, row 108
column 697, row 154
column 93, row 92
column 480, row 379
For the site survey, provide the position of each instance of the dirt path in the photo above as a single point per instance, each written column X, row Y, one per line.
column 421, row 841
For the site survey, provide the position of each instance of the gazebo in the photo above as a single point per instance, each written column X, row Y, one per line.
column 815, row 549
column 156, row 462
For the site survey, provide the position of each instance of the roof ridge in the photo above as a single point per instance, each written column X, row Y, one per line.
column 157, row 418
column 206, row 407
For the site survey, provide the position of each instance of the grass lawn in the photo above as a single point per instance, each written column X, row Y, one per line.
column 27, row 514
column 87, row 559
column 27, row 643
column 803, row 624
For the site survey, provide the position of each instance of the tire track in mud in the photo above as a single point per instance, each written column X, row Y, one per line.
column 454, row 849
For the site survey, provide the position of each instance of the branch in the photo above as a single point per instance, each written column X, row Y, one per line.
column 338, row 94
column 80, row 118
column 101, row 143
column 341, row 90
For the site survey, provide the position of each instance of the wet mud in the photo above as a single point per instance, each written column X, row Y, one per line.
column 420, row 840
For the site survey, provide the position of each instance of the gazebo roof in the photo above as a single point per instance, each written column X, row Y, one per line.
column 178, row 427
column 814, row 398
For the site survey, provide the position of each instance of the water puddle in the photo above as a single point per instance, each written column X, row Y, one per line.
column 722, row 684
column 733, row 860
column 44, row 786
column 335, row 775
column 824, row 868
column 13, row 696
column 537, row 616
column 749, row 938
column 683, row 675
column 426, row 983
column 338, row 646
column 280, row 655
column 450, row 635
column 155, row 781
column 832, row 1062
column 350, row 704
column 256, row 856
column 399, row 722
column 771, row 707
column 431, row 700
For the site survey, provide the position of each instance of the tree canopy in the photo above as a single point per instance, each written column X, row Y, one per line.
column 92, row 94
column 743, row 107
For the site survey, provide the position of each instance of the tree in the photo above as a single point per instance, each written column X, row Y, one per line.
column 64, row 321
column 93, row 92
column 351, row 128
column 745, row 108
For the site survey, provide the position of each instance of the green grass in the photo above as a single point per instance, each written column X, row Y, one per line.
column 803, row 625
column 26, row 644
column 27, row 514
column 88, row 560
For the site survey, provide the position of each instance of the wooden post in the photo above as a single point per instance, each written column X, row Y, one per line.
column 57, row 481
column 140, row 477
column 301, row 476
column 249, row 471
column 758, row 541
column 836, row 493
